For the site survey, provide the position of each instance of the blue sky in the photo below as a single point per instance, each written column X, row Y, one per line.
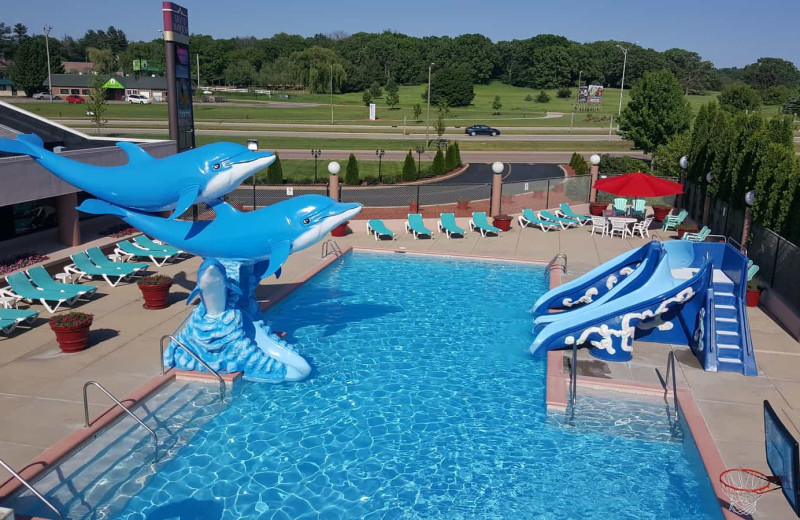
column 729, row 33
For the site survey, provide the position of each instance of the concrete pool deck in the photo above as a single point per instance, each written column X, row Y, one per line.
column 40, row 388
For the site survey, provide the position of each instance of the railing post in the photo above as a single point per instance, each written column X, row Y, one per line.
column 547, row 196
column 418, row 187
column 775, row 262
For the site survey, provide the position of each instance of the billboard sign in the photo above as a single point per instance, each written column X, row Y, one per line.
column 372, row 112
column 595, row 93
column 583, row 94
column 179, row 86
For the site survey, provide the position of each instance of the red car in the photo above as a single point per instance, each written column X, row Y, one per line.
column 75, row 99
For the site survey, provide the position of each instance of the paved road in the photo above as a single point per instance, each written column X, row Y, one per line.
column 514, row 172
column 466, row 156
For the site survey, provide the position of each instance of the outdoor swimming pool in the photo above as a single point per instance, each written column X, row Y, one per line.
column 424, row 403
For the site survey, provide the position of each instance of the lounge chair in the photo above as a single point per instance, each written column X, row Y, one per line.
column 673, row 221
column 83, row 266
column 415, row 225
column 42, row 278
column 642, row 227
column 529, row 218
column 379, row 229
column 447, row 224
column 638, row 209
column 479, row 222
column 752, row 269
column 22, row 286
column 10, row 318
column 125, row 250
column 566, row 211
column 621, row 206
column 600, row 224
column 146, row 242
column 563, row 222
column 700, row 236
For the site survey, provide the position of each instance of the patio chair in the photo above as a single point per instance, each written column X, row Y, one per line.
column 638, row 209
column 41, row 277
column 673, row 221
column 379, row 229
column 447, row 224
column 566, row 211
column 479, row 222
column 600, row 224
column 642, row 227
column 563, row 222
column 621, row 206
column 415, row 225
column 10, row 318
column 21, row 285
column 146, row 242
column 128, row 251
column 752, row 269
column 529, row 218
column 700, row 236
column 83, row 266
column 618, row 226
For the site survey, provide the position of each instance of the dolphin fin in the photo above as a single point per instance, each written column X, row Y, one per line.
column 136, row 155
column 192, row 295
column 187, row 197
column 101, row 207
column 280, row 253
column 24, row 144
column 222, row 208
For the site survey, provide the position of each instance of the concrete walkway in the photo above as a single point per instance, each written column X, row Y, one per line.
column 40, row 387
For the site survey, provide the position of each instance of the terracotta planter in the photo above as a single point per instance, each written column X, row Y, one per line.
column 502, row 221
column 661, row 212
column 72, row 339
column 596, row 208
column 462, row 204
column 682, row 232
column 156, row 296
column 339, row 230
column 752, row 297
column 414, row 207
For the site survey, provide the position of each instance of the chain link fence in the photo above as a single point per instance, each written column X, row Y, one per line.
column 545, row 193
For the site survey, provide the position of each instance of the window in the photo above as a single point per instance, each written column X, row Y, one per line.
column 64, row 91
column 86, row 92
column 75, row 91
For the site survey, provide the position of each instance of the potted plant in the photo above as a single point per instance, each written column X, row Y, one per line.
column 502, row 221
column 661, row 212
column 462, row 204
column 339, row 230
column 596, row 208
column 686, row 228
column 155, row 290
column 413, row 206
column 72, row 330
column 753, row 294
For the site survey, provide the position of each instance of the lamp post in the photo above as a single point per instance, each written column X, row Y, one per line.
column 380, row 153
column 428, row 122
column 622, row 85
column 707, row 204
column 420, row 149
column 47, row 29
column 331, row 93
column 594, row 170
column 334, row 168
column 749, row 199
column 683, row 162
column 316, row 154
column 252, row 145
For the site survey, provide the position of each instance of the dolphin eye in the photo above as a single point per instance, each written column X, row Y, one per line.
column 306, row 220
column 216, row 166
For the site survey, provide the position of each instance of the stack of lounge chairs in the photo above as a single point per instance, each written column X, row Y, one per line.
column 37, row 285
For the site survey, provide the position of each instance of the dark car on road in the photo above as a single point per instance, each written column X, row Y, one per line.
column 482, row 129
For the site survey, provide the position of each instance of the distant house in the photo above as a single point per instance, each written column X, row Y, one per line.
column 6, row 87
column 78, row 67
column 117, row 87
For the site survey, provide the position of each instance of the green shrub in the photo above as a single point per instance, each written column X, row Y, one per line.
column 366, row 98
column 351, row 174
column 616, row 165
column 450, row 158
column 459, row 162
column 438, row 167
column 564, row 93
column 775, row 95
column 578, row 164
column 409, row 168
column 542, row 97
column 792, row 106
column 738, row 98
column 528, row 98
column 275, row 172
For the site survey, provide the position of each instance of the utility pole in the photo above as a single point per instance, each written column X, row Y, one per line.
column 428, row 123
column 47, row 29
column 198, row 70
column 622, row 85
column 331, row 93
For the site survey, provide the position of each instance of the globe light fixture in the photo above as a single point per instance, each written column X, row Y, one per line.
column 498, row 167
column 709, row 176
column 334, row 168
column 750, row 197
column 594, row 159
column 684, row 162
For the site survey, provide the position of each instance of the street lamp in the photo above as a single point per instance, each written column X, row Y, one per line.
column 498, row 167
column 47, row 29
column 749, row 199
column 420, row 149
column 380, row 153
column 683, row 162
column 428, row 122
column 331, row 93
column 624, row 63
column 316, row 154
column 252, row 145
column 334, row 168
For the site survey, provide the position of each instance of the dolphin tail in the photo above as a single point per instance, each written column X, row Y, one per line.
column 101, row 207
column 194, row 294
column 24, row 144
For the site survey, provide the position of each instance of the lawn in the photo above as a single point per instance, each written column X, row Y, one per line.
column 302, row 171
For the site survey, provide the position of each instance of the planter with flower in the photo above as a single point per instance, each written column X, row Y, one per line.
column 661, row 212
column 155, row 290
column 597, row 208
column 753, row 294
column 502, row 221
column 72, row 330
column 462, row 204
column 340, row 230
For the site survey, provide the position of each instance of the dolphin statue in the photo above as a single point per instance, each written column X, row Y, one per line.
column 148, row 184
column 266, row 236
column 211, row 287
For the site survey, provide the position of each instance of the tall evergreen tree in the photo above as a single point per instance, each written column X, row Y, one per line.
column 450, row 159
column 409, row 168
column 275, row 172
column 351, row 177
column 438, row 167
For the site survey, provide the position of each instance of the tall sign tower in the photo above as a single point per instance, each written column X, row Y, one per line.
column 179, row 85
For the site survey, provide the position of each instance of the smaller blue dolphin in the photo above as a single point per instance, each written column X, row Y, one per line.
column 211, row 287
column 149, row 184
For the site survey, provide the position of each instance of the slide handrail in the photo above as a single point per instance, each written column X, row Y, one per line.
column 196, row 358
column 30, row 488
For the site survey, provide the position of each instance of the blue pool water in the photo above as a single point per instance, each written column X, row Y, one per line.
column 423, row 404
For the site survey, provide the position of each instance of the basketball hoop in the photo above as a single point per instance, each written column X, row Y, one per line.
column 745, row 486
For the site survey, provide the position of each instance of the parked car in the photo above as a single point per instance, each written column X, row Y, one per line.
column 138, row 99
column 75, row 99
column 481, row 129
column 45, row 95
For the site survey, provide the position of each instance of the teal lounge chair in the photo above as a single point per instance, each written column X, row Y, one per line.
column 566, row 212
column 752, row 269
column 447, row 224
column 21, row 285
column 700, row 236
column 84, row 266
column 415, row 225
column 480, row 223
column 146, row 242
column 638, row 209
column 563, row 222
column 529, row 218
column 379, row 229
column 42, row 278
column 10, row 318
column 673, row 221
column 127, row 251
column 621, row 206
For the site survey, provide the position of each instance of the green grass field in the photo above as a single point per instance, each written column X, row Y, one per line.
column 302, row 171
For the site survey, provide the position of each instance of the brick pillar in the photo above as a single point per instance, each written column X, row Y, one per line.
column 69, row 229
column 334, row 187
column 497, row 192
column 594, row 170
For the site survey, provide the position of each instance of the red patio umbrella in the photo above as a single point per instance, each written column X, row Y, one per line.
column 638, row 184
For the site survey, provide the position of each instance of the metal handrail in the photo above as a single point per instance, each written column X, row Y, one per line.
column 737, row 245
column 30, row 488
column 196, row 358
column 665, row 380
column 553, row 265
column 118, row 403
column 331, row 247
column 573, row 375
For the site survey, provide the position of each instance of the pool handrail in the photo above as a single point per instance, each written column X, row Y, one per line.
column 331, row 247
column 30, row 488
column 124, row 408
column 666, row 378
column 552, row 264
column 196, row 358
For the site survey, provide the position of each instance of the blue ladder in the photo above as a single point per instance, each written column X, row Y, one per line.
column 731, row 354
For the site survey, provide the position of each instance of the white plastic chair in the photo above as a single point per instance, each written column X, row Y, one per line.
column 600, row 224
column 618, row 226
column 642, row 227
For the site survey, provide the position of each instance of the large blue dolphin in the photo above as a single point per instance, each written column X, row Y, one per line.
column 149, row 184
column 266, row 236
